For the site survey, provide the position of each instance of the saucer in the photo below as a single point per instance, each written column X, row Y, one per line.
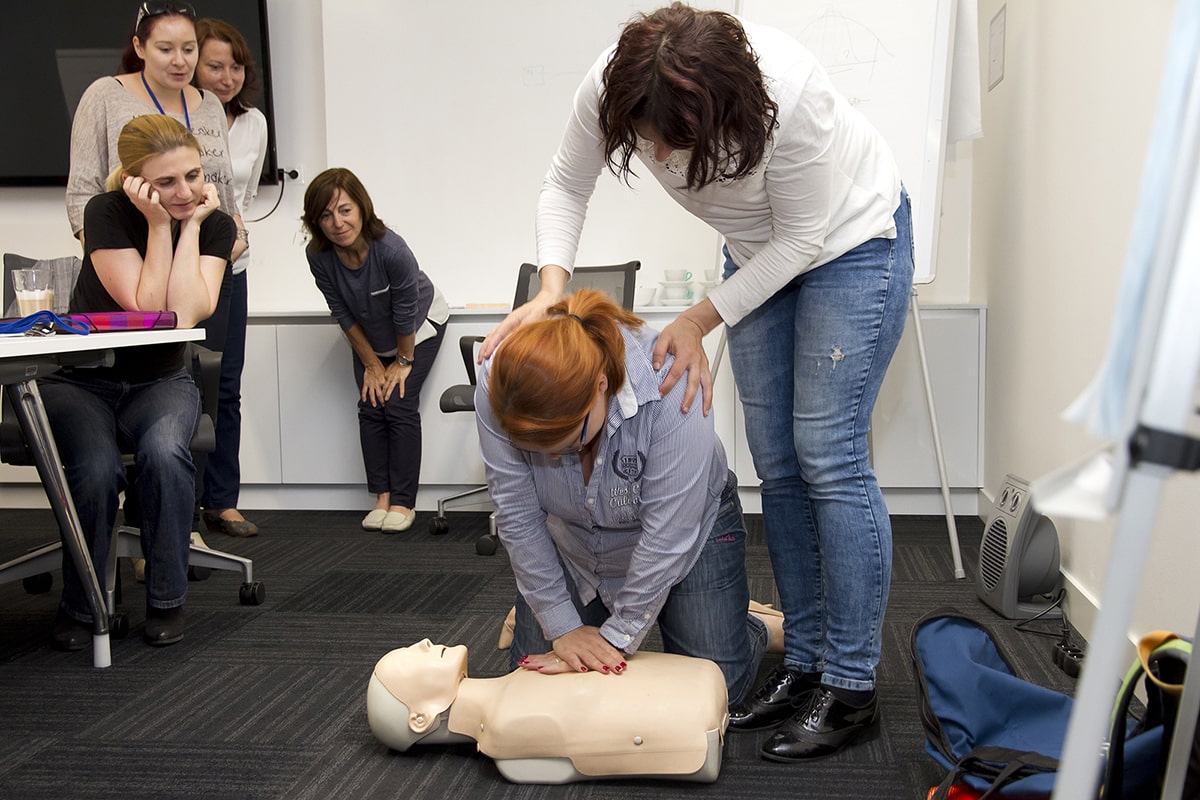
column 675, row 283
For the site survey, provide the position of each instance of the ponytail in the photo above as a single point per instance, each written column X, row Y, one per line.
column 543, row 377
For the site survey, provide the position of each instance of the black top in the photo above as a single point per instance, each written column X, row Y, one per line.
column 112, row 222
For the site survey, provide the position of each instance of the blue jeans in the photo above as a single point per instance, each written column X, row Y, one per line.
column 808, row 365
column 94, row 421
column 705, row 614
column 390, row 433
column 225, row 330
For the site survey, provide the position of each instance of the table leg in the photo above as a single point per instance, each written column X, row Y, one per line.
column 27, row 402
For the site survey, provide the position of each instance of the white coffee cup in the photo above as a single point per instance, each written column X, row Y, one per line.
column 643, row 295
column 32, row 287
column 678, row 275
column 676, row 295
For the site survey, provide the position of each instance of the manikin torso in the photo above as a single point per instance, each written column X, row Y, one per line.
column 664, row 717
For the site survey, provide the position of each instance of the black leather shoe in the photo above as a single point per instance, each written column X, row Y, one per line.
column 163, row 625
column 822, row 727
column 241, row 528
column 69, row 634
column 774, row 701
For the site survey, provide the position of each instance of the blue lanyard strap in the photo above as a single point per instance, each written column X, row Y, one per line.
column 182, row 99
column 43, row 318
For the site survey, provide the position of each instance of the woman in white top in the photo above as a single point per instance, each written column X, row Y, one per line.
column 226, row 68
column 740, row 124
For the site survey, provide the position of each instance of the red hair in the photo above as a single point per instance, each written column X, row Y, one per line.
column 543, row 377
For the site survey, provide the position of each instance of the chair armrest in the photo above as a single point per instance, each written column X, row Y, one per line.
column 466, row 344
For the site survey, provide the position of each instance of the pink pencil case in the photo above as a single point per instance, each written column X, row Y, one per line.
column 98, row 321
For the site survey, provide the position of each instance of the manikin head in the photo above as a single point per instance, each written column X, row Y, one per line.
column 424, row 679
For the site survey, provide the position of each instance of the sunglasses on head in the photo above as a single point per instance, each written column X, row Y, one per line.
column 154, row 8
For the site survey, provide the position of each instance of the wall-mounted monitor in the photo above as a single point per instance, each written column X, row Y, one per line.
column 50, row 52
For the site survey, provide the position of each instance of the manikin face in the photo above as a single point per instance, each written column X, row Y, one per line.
column 341, row 221
column 179, row 180
column 218, row 72
column 425, row 677
column 169, row 52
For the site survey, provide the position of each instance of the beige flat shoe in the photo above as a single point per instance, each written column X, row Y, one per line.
column 374, row 520
column 507, row 629
column 773, row 619
column 397, row 521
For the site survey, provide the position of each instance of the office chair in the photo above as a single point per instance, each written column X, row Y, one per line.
column 33, row 569
column 618, row 280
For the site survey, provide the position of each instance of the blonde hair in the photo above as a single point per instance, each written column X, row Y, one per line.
column 543, row 377
column 144, row 137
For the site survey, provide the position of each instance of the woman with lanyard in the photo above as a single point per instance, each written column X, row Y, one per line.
column 226, row 68
column 157, row 68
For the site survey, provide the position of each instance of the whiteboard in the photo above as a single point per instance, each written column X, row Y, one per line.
column 450, row 113
column 891, row 59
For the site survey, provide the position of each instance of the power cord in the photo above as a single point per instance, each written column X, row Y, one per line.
column 1066, row 655
column 284, row 175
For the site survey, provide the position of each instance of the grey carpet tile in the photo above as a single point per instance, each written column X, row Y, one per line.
column 269, row 701
column 395, row 592
column 97, row 770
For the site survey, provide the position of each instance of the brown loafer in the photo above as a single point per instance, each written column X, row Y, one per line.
column 241, row 528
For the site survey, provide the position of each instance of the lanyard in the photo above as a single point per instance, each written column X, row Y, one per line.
column 182, row 99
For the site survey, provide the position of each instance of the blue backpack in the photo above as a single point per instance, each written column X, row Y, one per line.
column 1001, row 735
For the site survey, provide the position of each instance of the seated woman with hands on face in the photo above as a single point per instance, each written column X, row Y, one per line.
column 616, row 510
column 155, row 242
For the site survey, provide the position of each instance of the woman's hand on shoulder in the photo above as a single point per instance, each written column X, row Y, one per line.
column 684, row 339
column 145, row 198
column 554, row 282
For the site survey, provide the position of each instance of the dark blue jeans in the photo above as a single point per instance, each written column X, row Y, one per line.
column 705, row 615
column 94, row 421
column 390, row 433
column 221, row 474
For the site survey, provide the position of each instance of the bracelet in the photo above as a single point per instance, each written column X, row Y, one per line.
column 243, row 234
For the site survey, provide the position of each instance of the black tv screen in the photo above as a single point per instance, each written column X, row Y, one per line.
column 52, row 50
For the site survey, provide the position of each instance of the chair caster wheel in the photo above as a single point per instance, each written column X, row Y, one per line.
column 118, row 625
column 38, row 584
column 439, row 526
column 197, row 574
column 252, row 594
column 486, row 545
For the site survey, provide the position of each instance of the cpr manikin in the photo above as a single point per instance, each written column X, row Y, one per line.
column 664, row 717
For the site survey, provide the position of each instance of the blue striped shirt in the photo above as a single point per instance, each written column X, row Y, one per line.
column 635, row 530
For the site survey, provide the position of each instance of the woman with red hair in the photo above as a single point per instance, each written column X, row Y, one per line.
column 615, row 509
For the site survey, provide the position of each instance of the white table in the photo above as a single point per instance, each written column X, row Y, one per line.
column 24, row 359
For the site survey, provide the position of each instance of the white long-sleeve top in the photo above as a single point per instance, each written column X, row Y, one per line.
column 826, row 184
column 248, row 153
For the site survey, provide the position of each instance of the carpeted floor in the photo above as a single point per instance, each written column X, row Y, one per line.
column 269, row 701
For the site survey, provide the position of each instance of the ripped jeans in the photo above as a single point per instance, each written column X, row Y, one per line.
column 808, row 365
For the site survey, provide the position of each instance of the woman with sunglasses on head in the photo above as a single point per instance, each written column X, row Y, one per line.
column 393, row 317
column 616, row 510
column 155, row 241
column 741, row 125
column 156, row 74
column 226, row 68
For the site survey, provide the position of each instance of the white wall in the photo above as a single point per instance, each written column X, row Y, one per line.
column 1056, row 179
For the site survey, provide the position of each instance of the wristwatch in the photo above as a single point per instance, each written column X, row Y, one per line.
column 404, row 361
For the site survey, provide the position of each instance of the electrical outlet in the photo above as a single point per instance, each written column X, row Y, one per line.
column 294, row 174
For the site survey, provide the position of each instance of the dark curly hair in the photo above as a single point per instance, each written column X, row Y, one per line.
column 693, row 77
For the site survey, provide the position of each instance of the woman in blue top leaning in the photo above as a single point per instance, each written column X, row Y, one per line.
column 615, row 509
column 394, row 317
column 740, row 124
